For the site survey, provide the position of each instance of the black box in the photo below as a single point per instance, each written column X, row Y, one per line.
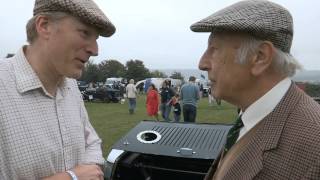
column 166, row 150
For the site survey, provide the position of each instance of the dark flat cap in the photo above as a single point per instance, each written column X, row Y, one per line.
column 86, row 10
column 260, row 18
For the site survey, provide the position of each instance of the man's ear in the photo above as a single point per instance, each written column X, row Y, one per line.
column 262, row 59
column 42, row 27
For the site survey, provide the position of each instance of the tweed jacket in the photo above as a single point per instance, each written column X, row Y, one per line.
column 286, row 145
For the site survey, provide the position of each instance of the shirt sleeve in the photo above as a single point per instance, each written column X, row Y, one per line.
column 93, row 151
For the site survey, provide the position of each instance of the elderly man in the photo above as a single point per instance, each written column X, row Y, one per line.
column 249, row 63
column 44, row 128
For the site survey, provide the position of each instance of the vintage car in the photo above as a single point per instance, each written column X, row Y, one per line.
column 82, row 85
column 104, row 94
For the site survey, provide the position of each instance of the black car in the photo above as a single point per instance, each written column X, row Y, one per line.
column 82, row 85
column 104, row 94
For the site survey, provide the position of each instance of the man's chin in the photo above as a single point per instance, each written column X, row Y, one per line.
column 75, row 75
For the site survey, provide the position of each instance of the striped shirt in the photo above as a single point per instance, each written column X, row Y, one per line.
column 41, row 135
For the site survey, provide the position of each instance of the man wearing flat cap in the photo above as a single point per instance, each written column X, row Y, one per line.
column 45, row 132
column 249, row 63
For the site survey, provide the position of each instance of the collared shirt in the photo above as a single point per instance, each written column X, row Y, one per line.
column 263, row 106
column 41, row 135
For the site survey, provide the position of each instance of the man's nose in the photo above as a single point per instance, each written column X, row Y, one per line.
column 203, row 63
column 92, row 48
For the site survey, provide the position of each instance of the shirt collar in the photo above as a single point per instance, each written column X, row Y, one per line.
column 265, row 104
column 27, row 79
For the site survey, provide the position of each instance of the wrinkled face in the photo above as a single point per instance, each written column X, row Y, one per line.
column 229, row 78
column 70, row 44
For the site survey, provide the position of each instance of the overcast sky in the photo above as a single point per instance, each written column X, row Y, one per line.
column 158, row 31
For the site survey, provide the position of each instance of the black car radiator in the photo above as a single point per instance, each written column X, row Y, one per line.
column 165, row 150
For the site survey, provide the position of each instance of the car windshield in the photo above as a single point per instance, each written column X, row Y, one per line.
column 81, row 83
column 110, row 82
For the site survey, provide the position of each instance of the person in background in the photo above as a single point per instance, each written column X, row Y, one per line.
column 141, row 89
column 176, row 107
column 152, row 101
column 131, row 93
column 166, row 94
column 201, row 89
column 45, row 132
column 249, row 63
column 211, row 98
column 189, row 95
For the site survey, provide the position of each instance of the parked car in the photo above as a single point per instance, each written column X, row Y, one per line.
column 82, row 85
column 205, row 92
column 104, row 94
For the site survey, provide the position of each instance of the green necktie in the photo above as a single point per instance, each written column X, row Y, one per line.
column 233, row 134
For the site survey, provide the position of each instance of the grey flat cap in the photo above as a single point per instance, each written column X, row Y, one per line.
column 263, row 19
column 86, row 10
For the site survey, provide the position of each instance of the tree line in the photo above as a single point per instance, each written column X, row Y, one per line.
column 133, row 69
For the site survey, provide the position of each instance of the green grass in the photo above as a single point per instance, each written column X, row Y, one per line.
column 112, row 120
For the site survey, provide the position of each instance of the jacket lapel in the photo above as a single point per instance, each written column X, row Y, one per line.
column 250, row 161
column 276, row 120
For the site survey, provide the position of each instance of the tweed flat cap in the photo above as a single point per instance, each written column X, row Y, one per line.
column 86, row 10
column 260, row 18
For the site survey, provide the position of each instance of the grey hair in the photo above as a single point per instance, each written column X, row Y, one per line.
column 283, row 63
column 31, row 25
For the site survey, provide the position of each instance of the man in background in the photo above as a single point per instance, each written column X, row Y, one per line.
column 249, row 63
column 166, row 95
column 131, row 92
column 45, row 132
column 189, row 95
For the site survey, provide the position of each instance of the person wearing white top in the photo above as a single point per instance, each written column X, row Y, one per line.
column 131, row 93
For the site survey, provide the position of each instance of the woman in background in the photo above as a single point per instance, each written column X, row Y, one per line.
column 152, row 102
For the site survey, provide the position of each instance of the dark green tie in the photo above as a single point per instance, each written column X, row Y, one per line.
column 233, row 134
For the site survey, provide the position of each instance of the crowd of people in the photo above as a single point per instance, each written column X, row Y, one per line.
column 45, row 132
column 167, row 100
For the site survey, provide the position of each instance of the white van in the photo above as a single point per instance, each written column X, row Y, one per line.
column 113, row 80
column 157, row 82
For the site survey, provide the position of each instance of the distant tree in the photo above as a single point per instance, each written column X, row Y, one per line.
column 91, row 72
column 158, row 74
column 177, row 75
column 136, row 70
column 111, row 68
column 312, row 90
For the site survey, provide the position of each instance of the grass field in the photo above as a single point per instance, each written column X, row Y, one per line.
column 112, row 120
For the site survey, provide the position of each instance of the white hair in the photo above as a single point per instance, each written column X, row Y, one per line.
column 283, row 63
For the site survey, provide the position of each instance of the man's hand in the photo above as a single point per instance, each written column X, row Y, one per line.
column 83, row 172
column 88, row 172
